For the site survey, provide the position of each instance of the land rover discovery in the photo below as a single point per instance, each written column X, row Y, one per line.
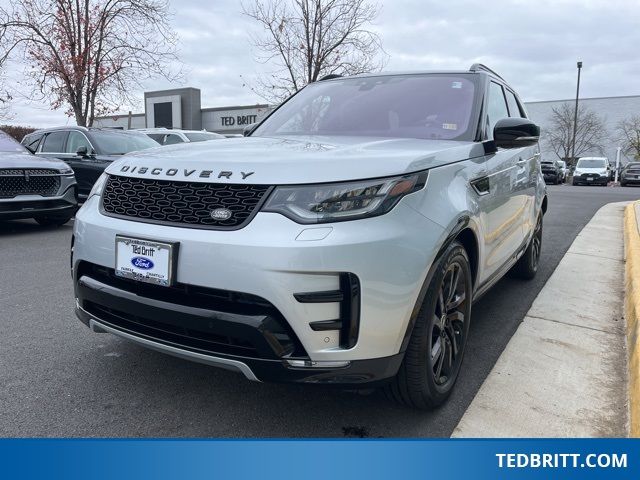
column 342, row 242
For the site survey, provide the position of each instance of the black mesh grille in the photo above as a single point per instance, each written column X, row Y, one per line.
column 31, row 171
column 181, row 203
column 14, row 182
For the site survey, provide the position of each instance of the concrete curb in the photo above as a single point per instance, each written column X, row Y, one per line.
column 632, row 310
column 564, row 371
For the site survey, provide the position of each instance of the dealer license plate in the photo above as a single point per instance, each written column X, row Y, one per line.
column 145, row 260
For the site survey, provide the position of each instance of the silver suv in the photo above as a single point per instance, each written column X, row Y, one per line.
column 342, row 242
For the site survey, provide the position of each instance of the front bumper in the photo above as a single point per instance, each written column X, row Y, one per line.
column 591, row 179
column 30, row 206
column 296, row 272
column 342, row 373
column 635, row 179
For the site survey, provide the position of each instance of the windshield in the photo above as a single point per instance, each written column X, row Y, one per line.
column 8, row 144
column 119, row 143
column 432, row 106
column 203, row 136
column 592, row 163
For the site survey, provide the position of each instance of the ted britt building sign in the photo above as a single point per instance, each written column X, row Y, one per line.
column 181, row 108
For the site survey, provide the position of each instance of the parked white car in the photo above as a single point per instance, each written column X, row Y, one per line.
column 167, row 136
column 592, row 171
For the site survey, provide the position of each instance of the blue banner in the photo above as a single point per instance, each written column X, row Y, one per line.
column 318, row 459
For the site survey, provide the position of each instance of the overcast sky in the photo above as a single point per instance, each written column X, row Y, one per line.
column 533, row 44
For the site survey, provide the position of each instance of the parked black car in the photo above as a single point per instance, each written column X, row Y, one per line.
column 552, row 172
column 32, row 187
column 87, row 150
column 630, row 174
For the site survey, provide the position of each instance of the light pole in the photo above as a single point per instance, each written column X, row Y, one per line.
column 575, row 117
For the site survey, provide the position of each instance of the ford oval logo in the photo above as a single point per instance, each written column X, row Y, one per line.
column 141, row 262
column 221, row 214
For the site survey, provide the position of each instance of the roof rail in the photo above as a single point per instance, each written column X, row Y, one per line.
column 476, row 67
column 331, row 76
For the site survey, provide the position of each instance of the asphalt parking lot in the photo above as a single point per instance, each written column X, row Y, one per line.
column 59, row 379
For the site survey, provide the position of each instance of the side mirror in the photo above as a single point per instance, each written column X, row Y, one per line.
column 248, row 130
column 82, row 151
column 515, row 133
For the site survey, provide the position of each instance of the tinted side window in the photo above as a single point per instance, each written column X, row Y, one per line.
column 76, row 140
column 514, row 106
column 497, row 107
column 158, row 137
column 32, row 141
column 54, row 142
column 171, row 139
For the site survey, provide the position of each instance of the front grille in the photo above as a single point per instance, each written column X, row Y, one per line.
column 188, row 204
column 32, row 171
column 28, row 181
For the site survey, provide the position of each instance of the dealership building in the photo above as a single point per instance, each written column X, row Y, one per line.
column 181, row 108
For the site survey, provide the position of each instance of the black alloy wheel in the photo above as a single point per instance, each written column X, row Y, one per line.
column 433, row 357
column 447, row 334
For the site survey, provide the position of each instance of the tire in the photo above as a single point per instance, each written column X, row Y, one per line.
column 527, row 266
column 426, row 379
column 53, row 221
column 623, row 184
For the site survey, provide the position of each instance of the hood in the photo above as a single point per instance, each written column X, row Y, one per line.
column 591, row 170
column 292, row 160
column 28, row 160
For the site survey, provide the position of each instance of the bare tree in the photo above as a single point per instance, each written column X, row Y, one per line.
column 629, row 133
column 308, row 39
column 590, row 134
column 5, row 98
column 88, row 55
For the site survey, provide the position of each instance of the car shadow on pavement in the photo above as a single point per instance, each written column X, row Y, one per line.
column 167, row 396
column 18, row 227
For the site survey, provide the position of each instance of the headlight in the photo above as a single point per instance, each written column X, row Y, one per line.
column 577, row 173
column 98, row 186
column 604, row 173
column 66, row 171
column 334, row 202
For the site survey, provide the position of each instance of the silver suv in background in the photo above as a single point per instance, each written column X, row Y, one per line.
column 342, row 242
column 166, row 136
column 32, row 187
